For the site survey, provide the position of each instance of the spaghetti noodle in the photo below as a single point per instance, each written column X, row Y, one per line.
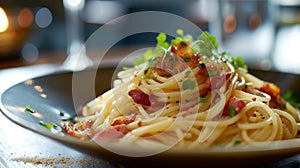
column 191, row 97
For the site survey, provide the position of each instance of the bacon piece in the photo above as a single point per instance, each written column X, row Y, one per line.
column 182, row 49
column 216, row 82
column 80, row 111
column 271, row 89
column 274, row 91
column 89, row 124
column 110, row 133
column 139, row 97
column 81, row 130
column 194, row 61
column 235, row 103
column 125, row 121
column 182, row 57
column 119, row 122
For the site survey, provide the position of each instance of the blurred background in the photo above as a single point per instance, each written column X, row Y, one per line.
column 265, row 32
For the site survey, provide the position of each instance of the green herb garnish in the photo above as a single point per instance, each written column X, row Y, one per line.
column 206, row 44
column 208, row 39
column 48, row 125
column 202, row 65
column 187, row 73
column 153, row 62
column 161, row 41
column 203, row 99
column 146, row 71
column 61, row 113
column 71, row 119
column 188, row 84
column 231, row 111
column 183, row 44
column 182, row 38
column 187, row 59
column 179, row 32
column 239, row 62
column 236, row 143
column 29, row 109
column 290, row 97
column 281, row 105
column 211, row 73
column 139, row 60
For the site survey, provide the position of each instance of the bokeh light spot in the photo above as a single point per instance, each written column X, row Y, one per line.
column 30, row 52
column 3, row 20
column 43, row 17
column 25, row 17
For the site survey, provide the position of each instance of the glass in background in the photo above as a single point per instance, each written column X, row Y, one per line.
column 76, row 54
column 83, row 17
column 286, row 19
column 243, row 28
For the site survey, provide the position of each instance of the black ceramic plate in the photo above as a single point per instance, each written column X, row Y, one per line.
column 51, row 96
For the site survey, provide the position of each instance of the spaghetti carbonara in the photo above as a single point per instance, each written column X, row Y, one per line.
column 191, row 95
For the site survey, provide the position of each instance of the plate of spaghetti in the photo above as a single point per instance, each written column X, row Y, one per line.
column 182, row 100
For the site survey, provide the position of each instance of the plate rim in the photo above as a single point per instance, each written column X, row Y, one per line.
column 279, row 148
